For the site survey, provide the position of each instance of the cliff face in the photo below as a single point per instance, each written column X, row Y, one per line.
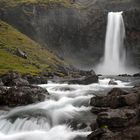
column 76, row 33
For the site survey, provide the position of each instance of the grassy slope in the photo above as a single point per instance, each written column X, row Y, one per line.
column 38, row 58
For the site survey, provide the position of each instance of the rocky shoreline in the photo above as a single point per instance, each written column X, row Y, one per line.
column 118, row 112
column 18, row 90
column 118, row 115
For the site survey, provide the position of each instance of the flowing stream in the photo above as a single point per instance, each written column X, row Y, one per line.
column 61, row 117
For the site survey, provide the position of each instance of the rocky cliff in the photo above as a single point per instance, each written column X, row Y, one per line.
column 75, row 30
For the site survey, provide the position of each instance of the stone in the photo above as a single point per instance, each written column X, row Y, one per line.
column 97, row 110
column 36, row 79
column 95, row 134
column 21, row 53
column 117, row 118
column 17, row 82
column 23, row 95
column 136, row 75
column 85, row 80
column 112, row 82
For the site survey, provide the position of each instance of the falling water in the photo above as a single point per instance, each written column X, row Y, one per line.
column 114, row 61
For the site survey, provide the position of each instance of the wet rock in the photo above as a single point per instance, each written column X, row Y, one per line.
column 85, row 80
column 36, row 79
column 76, row 125
column 17, row 82
column 111, row 100
column 21, row 53
column 97, row 110
column 23, row 95
column 112, row 82
column 117, row 119
column 136, row 75
column 7, row 78
column 99, row 101
column 129, row 99
column 95, row 135
column 66, row 88
column 94, row 126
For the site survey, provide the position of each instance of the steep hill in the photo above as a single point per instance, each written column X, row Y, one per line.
column 38, row 58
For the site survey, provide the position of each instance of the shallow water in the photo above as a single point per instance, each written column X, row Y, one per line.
column 51, row 119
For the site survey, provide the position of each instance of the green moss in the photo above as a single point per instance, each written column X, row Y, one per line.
column 38, row 58
column 104, row 126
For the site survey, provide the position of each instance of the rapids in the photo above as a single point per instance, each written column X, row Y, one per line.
column 53, row 118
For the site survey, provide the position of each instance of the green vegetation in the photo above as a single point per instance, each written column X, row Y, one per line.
column 38, row 58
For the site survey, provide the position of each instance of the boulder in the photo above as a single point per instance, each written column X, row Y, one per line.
column 17, row 82
column 129, row 99
column 36, row 79
column 116, row 119
column 85, row 80
column 21, row 53
column 99, row 101
column 112, row 82
column 13, row 79
column 97, row 110
column 136, row 75
column 114, row 99
column 95, row 135
column 7, row 78
column 23, row 95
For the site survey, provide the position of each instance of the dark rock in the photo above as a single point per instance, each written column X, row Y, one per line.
column 84, row 80
column 124, row 75
column 129, row 99
column 99, row 101
column 94, row 126
column 66, row 88
column 23, row 95
column 17, row 82
column 36, row 79
column 97, row 110
column 117, row 92
column 112, row 82
column 117, row 119
column 95, row 135
column 116, row 98
column 76, row 125
column 136, row 75
column 7, row 78
column 131, row 133
column 20, row 53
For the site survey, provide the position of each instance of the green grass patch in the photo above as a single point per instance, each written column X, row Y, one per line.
column 38, row 57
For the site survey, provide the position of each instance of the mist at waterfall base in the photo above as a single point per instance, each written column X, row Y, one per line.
column 115, row 60
column 50, row 120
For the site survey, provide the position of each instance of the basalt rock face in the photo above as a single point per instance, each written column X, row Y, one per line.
column 76, row 34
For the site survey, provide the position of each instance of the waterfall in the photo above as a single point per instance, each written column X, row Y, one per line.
column 114, row 61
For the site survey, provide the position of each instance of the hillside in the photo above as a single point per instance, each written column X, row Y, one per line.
column 76, row 34
column 38, row 58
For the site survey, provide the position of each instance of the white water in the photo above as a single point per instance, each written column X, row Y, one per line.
column 114, row 61
column 49, row 120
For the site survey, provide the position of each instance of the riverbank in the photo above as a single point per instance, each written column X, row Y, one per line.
column 65, row 107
